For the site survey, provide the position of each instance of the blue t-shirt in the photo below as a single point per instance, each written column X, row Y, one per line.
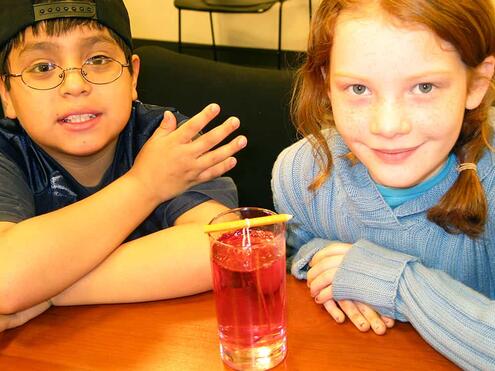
column 33, row 183
column 397, row 196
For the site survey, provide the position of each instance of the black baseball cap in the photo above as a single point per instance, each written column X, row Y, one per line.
column 16, row 15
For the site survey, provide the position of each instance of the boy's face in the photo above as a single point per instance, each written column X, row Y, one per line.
column 398, row 97
column 77, row 118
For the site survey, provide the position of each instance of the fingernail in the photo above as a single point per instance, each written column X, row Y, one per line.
column 214, row 107
column 242, row 142
column 234, row 121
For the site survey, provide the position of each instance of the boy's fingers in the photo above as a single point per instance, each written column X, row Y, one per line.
column 217, row 170
column 168, row 123
column 352, row 311
column 218, row 155
column 213, row 137
column 195, row 124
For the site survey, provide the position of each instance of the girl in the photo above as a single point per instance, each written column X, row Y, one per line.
column 392, row 187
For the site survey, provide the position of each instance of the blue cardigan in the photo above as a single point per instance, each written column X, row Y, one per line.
column 402, row 264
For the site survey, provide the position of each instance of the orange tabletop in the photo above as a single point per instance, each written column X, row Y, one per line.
column 181, row 334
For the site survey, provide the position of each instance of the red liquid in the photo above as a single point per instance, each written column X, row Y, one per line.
column 249, row 284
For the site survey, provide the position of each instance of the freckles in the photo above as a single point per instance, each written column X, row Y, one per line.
column 352, row 121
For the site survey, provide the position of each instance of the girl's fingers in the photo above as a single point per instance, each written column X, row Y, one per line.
column 354, row 314
column 323, row 280
column 331, row 250
column 330, row 262
column 324, row 295
column 374, row 319
column 389, row 322
column 334, row 311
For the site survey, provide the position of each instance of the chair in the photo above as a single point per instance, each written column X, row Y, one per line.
column 230, row 6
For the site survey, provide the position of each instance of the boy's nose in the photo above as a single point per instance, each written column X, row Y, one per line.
column 389, row 119
column 74, row 83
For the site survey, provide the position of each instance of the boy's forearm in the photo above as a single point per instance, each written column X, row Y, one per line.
column 42, row 256
column 171, row 263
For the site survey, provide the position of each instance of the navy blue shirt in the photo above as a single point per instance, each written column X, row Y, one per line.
column 33, row 183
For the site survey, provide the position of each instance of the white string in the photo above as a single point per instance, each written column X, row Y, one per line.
column 246, row 236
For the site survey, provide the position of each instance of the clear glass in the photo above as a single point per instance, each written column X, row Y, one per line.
column 249, row 279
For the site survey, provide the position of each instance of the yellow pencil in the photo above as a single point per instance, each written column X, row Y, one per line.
column 246, row 223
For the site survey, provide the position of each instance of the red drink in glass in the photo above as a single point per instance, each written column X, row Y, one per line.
column 249, row 282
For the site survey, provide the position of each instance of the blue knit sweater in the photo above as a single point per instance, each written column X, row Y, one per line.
column 403, row 265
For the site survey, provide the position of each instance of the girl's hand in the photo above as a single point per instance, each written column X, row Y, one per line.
column 320, row 277
column 173, row 160
column 17, row 319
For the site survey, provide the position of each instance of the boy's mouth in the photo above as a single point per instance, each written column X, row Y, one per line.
column 76, row 119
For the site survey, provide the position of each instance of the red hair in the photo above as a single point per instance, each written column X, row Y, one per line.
column 468, row 25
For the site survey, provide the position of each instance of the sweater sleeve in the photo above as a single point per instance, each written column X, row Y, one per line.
column 290, row 178
column 455, row 319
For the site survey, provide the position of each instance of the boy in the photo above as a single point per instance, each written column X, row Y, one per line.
column 102, row 198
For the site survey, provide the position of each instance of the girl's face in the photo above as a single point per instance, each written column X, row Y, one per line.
column 398, row 96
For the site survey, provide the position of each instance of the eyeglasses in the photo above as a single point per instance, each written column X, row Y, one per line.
column 98, row 70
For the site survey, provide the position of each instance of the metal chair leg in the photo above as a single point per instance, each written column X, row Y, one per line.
column 279, row 51
column 180, row 35
column 213, row 38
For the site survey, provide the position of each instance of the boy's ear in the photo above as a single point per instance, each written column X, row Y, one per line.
column 7, row 106
column 136, row 64
column 480, row 82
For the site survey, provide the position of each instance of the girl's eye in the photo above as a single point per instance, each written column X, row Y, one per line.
column 359, row 89
column 423, row 88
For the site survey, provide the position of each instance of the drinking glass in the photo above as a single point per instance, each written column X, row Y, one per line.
column 248, row 266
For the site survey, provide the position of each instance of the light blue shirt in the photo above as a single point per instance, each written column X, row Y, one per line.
column 400, row 263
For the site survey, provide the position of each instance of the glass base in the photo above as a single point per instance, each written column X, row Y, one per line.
column 255, row 358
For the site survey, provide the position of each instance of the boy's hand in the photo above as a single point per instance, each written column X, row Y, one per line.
column 320, row 277
column 17, row 319
column 173, row 160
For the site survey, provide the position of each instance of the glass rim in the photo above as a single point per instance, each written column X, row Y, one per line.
column 213, row 236
column 237, row 209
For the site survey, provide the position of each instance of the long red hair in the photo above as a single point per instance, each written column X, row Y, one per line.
column 468, row 25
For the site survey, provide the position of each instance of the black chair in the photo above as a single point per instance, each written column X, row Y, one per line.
column 230, row 6
column 258, row 96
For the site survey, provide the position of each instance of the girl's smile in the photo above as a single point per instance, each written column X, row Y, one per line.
column 394, row 155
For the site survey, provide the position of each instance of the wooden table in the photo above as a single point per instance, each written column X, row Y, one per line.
column 180, row 334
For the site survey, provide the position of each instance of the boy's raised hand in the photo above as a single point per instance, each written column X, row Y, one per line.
column 320, row 277
column 175, row 159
